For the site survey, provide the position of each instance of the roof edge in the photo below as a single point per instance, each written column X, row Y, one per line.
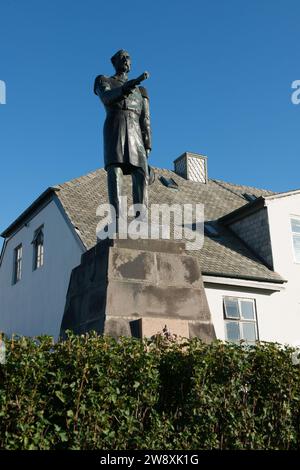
column 243, row 277
column 243, row 283
column 292, row 192
column 243, row 211
column 25, row 214
column 246, row 187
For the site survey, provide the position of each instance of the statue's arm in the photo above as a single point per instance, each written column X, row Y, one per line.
column 145, row 120
column 108, row 95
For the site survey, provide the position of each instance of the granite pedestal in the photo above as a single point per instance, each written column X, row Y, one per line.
column 135, row 288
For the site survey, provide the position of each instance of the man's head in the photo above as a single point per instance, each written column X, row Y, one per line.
column 121, row 61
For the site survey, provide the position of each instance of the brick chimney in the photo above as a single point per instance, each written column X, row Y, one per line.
column 192, row 166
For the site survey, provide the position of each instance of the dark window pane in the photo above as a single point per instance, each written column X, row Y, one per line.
column 168, row 182
column 210, row 229
column 247, row 310
column 249, row 197
column 231, row 308
column 232, row 331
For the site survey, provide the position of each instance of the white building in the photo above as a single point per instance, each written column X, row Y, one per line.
column 250, row 260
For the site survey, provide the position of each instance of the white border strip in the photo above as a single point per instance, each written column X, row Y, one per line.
column 229, row 281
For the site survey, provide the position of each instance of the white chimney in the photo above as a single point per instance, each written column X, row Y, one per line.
column 192, row 167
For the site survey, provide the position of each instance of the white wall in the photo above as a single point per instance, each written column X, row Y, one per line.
column 278, row 313
column 275, row 322
column 35, row 304
column 280, row 211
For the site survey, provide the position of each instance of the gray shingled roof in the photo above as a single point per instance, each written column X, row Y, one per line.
column 225, row 255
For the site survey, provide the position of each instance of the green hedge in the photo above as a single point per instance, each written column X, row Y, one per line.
column 95, row 393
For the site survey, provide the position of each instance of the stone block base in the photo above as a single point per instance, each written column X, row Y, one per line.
column 135, row 288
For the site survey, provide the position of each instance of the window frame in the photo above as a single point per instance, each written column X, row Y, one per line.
column 294, row 217
column 17, row 264
column 36, row 254
column 241, row 320
column 168, row 182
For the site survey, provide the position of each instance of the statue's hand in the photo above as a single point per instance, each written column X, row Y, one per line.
column 148, row 152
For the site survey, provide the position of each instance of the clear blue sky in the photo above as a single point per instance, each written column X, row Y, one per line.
column 221, row 74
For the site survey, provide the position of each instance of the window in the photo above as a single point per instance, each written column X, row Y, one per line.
column 38, row 248
column 168, row 182
column 250, row 197
column 240, row 320
column 295, row 224
column 211, row 229
column 17, row 264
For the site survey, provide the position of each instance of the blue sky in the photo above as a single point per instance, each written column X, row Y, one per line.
column 221, row 74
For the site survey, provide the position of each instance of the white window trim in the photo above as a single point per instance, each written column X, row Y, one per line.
column 17, row 279
column 35, row 266
column 297, row 217
column 241, row 319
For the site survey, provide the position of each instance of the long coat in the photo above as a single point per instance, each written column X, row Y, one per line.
column 127, row 132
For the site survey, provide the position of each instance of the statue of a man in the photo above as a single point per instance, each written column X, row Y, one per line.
column 127, row 132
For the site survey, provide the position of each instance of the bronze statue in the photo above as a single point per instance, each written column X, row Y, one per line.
column 127, row 132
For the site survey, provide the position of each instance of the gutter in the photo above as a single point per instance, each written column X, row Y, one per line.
column 244, row 278
column 273, row 286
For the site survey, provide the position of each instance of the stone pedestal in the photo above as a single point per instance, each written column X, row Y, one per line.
column 135, row 288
